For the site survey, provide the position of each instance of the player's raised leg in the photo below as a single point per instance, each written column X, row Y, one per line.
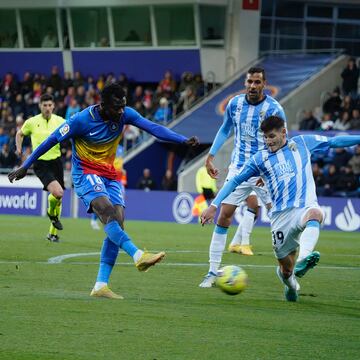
column 308, row 258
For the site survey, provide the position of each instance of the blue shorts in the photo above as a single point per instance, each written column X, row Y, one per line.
column 89, row 187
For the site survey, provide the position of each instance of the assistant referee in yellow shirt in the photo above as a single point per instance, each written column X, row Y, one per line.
column 48, row 168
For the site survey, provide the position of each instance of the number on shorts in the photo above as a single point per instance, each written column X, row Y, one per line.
column 94, row 179
column 278, row 238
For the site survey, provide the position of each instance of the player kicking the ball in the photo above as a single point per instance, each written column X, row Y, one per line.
column 96, row 132
column 285, row 166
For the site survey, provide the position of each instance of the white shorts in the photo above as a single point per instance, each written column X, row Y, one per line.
column 286, row 228
column 247, row 188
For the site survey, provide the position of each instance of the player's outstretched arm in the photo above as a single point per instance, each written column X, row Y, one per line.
column 344, row 141
column 45, row 146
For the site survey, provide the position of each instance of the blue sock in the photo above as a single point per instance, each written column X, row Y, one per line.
column 109, row 253
column 221, row 230
column 93, row 216
column 129, row 247
column 119, row 237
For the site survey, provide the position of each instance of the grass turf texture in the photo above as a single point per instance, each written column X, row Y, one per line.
column 46, row 311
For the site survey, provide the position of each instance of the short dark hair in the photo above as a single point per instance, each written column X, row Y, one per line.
column 110, row 90
column 46, row 97
column 272, row 123
column 254, row 70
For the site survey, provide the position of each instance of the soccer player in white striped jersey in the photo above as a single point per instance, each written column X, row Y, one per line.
column 285, row 167
column 244, row 114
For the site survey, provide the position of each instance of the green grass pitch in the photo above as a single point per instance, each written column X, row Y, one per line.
column 46, row 311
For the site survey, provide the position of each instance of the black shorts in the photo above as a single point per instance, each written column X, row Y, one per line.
column 49, row 170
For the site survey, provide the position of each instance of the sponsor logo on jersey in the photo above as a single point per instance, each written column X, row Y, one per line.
column 114, row 126
column 64, row 129
column 284, row 170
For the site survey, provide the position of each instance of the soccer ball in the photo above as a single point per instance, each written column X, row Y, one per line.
column 232, row 279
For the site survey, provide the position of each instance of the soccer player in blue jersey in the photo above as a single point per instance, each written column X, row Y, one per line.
column 285, row 167
column 244, row 114
column 95, row 134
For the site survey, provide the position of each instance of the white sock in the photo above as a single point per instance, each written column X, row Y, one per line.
column 290, row 281
column 217, row 246
column 242, row 235
column 99, row 285
column 137, row 255
column 247, row 227
column 308, row 240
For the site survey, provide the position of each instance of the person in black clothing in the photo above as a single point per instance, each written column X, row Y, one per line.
column 350, row 77
column 333, row 104
column 341, row 158
column 331, row 181
column 309, row 122
column 146, row 182
column 8, row 159
column 348, row 181
column 169, row 182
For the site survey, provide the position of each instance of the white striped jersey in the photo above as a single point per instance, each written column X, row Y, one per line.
column 246, row 118
column 288, row 172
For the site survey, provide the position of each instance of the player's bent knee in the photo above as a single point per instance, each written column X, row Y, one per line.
column 314, row 214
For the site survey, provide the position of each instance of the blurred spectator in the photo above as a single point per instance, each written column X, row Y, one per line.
column 350, row 77
column 318, row 178
column 355, row 120
column 354, row 162
column 147, row 101
column 140, row 108
column 131, row 136
column 8, row 159
column 78, row 79
column 132, row 36
column 187, row 79
column 55, row 80
column 341, row 157
column 68, row 80
column 348, row 181
column 104, row 42
column 4, row 138
column 343, row 122
column 50, row 39
column 331, row 181
column 124, row 82
column 326, row 122
column 146, row 182
column 138, row 94
column 347, row 104
column 163, row 114
column 187, row 98
column 168, row 85
column 309, row 121
column 72, row 109
column 168, row 182
column 18, row 106
column 333, row 104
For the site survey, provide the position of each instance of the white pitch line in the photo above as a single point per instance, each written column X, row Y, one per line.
column 59, row 259
column 169, row 264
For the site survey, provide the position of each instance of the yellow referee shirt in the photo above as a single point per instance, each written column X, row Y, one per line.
column 39, row 129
